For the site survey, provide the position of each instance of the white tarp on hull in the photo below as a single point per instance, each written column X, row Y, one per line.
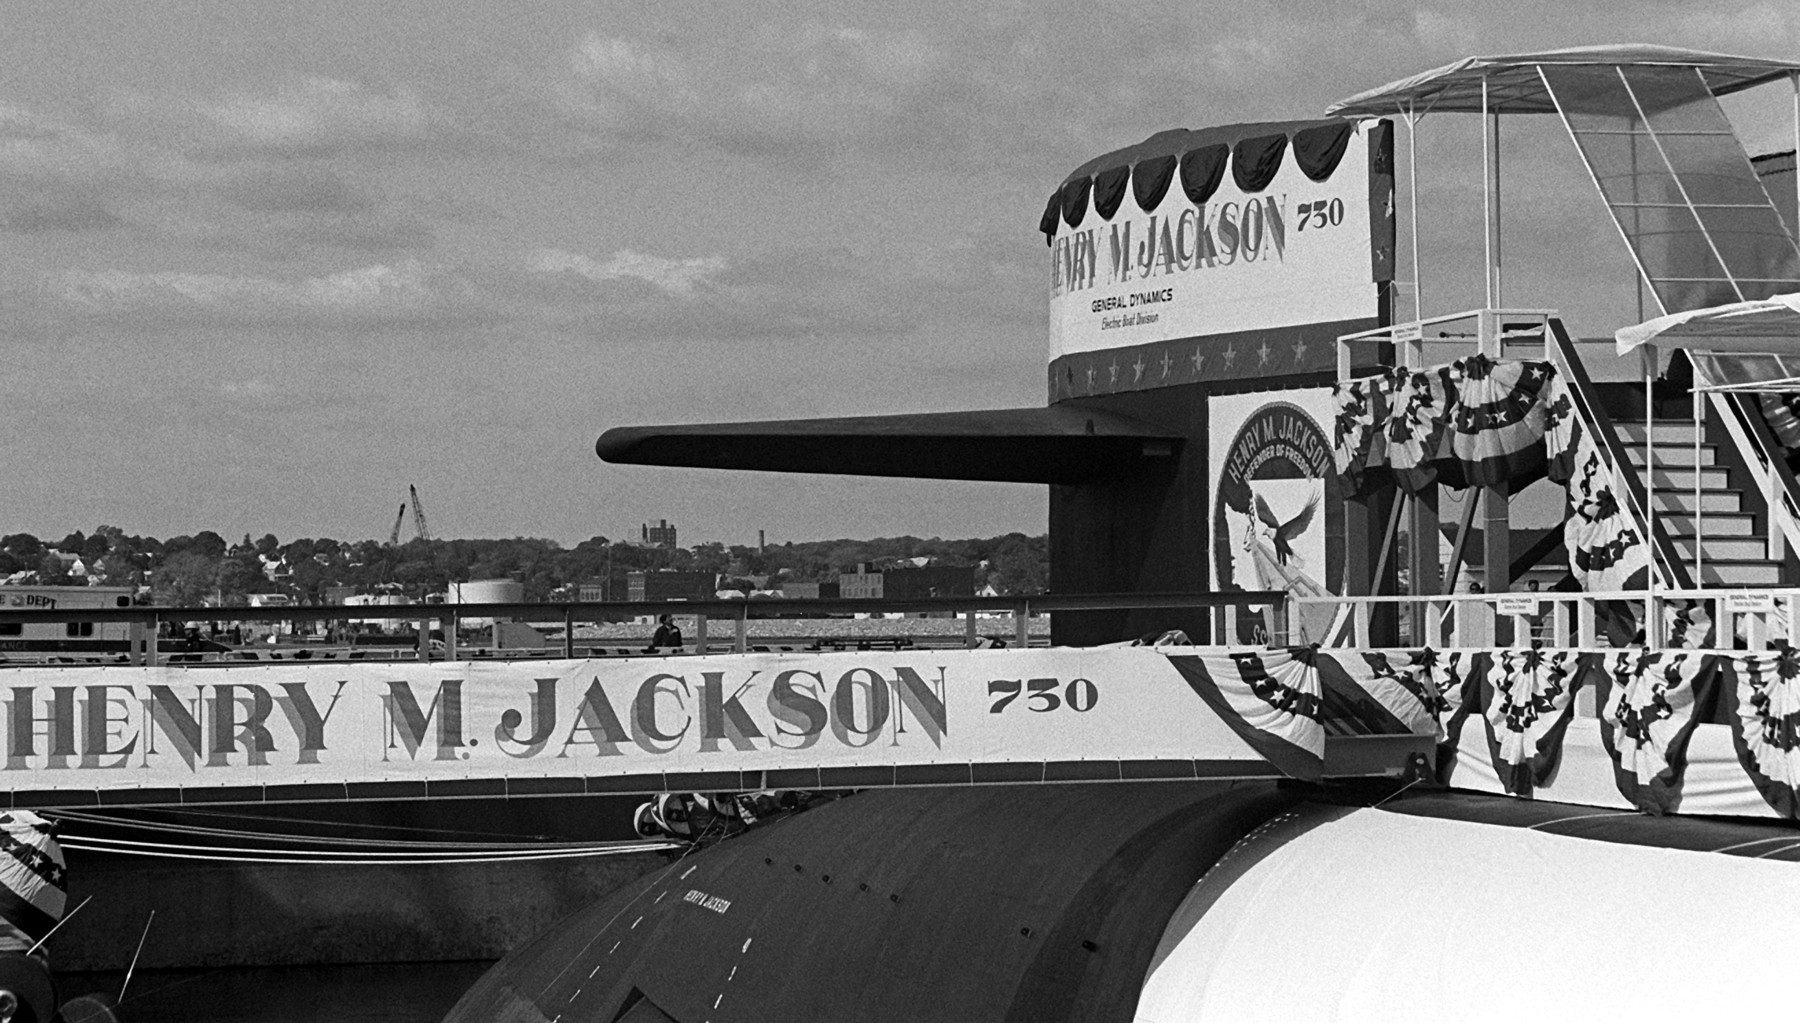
column 1388, row 917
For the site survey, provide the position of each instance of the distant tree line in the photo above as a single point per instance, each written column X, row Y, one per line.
column 206, row 568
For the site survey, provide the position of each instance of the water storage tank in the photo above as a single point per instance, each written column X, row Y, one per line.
column 485, row 591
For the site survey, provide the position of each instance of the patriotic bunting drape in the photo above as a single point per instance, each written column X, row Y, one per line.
column 1606, row 548
column 1454, row 677
column 1498, row 422
column 33, row 882
column 1284, row 702
column 1357, row 441
column 1529, row 696
column 1416, row 426
column 1394, row 681
column 1562, row 428
column 1765, row 722
column 1270, row 698
column 1648, row 718
column 1479, row 421
column 1471, row 423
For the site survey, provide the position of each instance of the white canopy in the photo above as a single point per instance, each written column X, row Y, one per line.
column 1515, row 87
column 1765, row 325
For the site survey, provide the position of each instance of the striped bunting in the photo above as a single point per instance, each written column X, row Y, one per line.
column 1606, row 549
column 1389, row 691
column 1530, row 697
column 1649, row 718
column 1498, row 421
column 1357, row 441
column 1454, row 677
column 1763, row 690
column 1415, row 430
column 1270, row 698
column 1474, row 422
column 33, row 877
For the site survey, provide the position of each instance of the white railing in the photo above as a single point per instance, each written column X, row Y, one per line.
column 1743, row 619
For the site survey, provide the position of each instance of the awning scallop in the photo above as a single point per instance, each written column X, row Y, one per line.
column 1254, row 152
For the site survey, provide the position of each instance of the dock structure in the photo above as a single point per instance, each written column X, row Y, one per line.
column 1293, row 550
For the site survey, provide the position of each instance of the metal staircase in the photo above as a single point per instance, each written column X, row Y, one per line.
column 1721, row 519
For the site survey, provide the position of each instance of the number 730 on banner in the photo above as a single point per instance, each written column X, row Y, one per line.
column 1042, row 694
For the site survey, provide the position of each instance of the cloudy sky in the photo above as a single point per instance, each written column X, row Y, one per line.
column 263, row 265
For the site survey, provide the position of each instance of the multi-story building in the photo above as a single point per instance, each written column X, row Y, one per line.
column 672, row 585
column 931, row 581
column 863, row 583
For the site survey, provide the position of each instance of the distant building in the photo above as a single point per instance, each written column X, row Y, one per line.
column 591, row 591
column 934, row 581
column 907, row 583
column 862, row 584
column 671, row 585
column 660, row 535
column 810, row 591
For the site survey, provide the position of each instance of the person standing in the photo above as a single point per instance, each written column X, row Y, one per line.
column 667, row 635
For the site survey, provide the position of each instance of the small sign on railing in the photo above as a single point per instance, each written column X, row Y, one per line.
column 1749, row 603
column 1516, row 605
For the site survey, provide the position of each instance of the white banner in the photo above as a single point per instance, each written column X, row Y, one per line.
column 1296, row 252
column 121, row 728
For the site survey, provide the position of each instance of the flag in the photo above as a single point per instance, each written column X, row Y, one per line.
column 1686, row 624
column 1270, row 698
column 1497, row 421
column 1416, row 424
column 1389, row 690
column 1529, row 698
column 1763, row 690
column 1606, row 549
column 34, row 885
column 1455, row 677
column 1357, row 442
column 1562, row 428
column 1648, row 719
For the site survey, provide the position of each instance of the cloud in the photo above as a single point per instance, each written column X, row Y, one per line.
column 399, row 293
column 673, row 276
column 316, row 116
column 797, row 293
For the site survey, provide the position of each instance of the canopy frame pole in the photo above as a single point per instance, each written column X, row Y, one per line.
column 1794, row 77
column 1649, row 356
column 1699, row 508
column 1490, row 172
column 1412, row 196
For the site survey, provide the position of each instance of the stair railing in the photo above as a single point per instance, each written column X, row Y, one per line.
column 1765, row 456
column 1594, row 418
